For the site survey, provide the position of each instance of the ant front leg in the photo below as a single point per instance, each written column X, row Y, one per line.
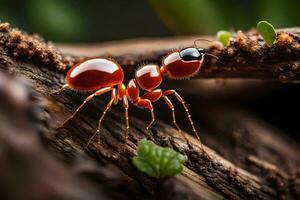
column 171, row 106
column 113, row 97
column 180, row 99
column 97, row 93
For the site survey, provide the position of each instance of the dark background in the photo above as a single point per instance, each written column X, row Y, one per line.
column 102, row 20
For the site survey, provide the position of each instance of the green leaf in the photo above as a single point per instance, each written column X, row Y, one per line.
column 156, row 161
column 267, row 31
column 224, row 37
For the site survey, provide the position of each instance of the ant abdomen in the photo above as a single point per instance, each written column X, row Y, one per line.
column 94, row 74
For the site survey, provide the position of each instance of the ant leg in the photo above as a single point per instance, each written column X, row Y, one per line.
column 170, row 104
column 153, row 96
column 97, row 93
column 113, row 96
column 152, row 116
column 180, row 99
column 146, row 103
column 61, row 89
column 125, row 104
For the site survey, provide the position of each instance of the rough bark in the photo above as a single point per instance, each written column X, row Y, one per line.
column 247, row 56
column 254, row 160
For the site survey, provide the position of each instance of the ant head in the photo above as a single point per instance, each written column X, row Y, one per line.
column 184, row 63
column 192, row 54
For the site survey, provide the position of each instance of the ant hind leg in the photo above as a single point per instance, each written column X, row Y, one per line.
column 97, row 93
column 113, row 96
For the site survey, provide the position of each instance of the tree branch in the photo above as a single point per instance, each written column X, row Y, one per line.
column 247, row 56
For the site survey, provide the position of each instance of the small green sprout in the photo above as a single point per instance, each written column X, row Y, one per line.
column 224, row 37
column 158, row 162
column 267, row 31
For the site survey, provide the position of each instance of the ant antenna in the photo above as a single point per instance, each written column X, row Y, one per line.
column 201, row 39
column 212, row 55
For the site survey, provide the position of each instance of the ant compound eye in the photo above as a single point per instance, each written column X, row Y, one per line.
column 190, row 54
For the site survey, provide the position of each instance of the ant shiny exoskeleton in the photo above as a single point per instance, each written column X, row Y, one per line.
column 104, row 75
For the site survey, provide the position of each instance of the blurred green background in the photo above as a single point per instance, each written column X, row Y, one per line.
column 103, row 20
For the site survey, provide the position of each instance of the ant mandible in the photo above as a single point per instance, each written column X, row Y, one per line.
column 104, row 75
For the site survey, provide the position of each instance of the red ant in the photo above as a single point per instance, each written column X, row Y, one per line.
column 104, row 75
